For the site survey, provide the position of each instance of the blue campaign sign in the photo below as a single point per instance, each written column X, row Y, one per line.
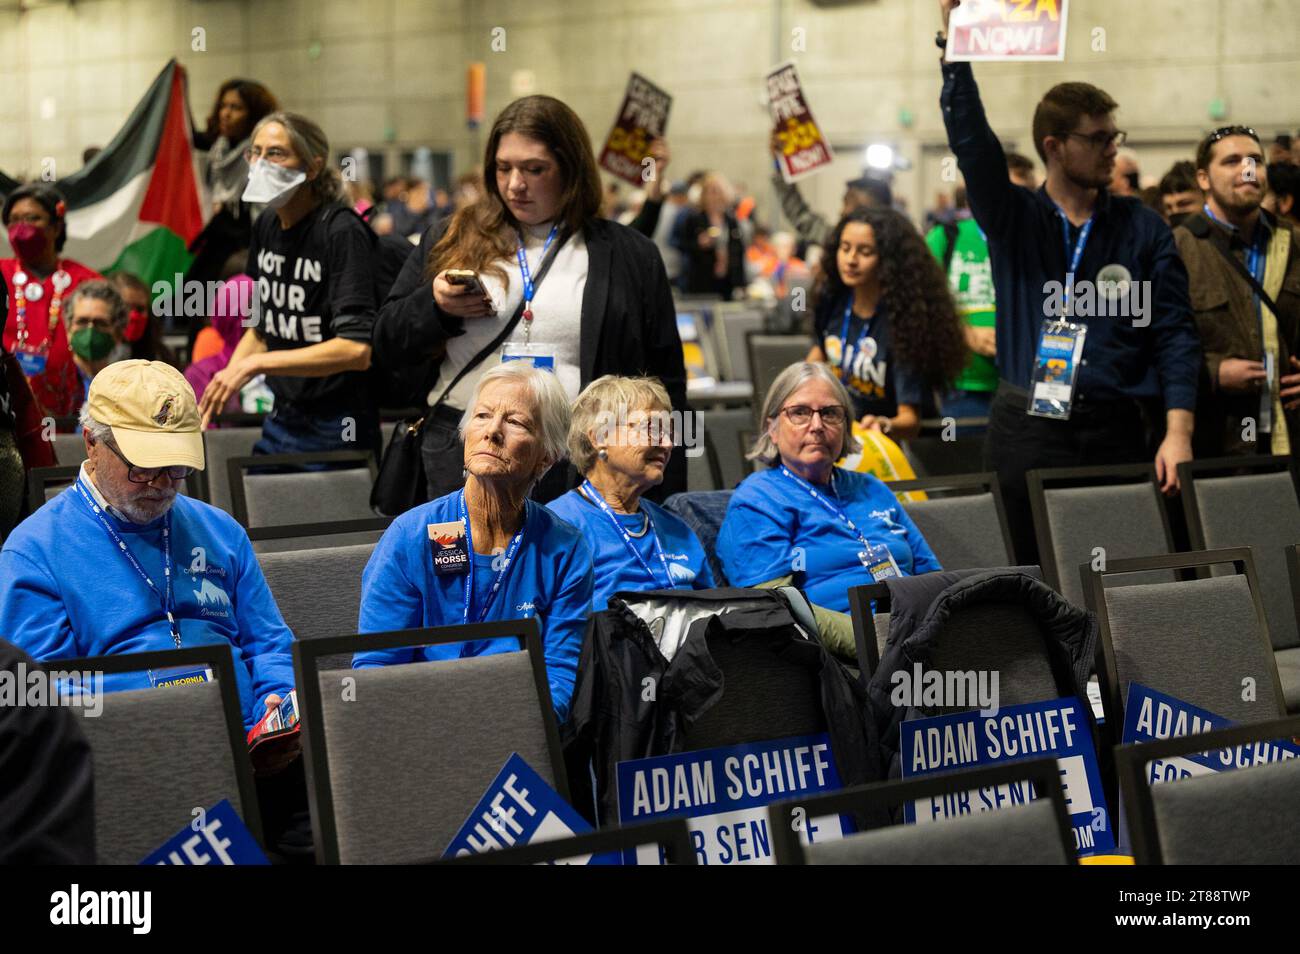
column 519, row 808
column 217, row 837
column 723, row 794
column 1150, row 715
column 1057, row 727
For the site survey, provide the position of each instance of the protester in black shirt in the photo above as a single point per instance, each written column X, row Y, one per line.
column 711, row 242
column 314, row 304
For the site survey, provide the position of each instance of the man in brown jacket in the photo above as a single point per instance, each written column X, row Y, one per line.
column 1250, row 383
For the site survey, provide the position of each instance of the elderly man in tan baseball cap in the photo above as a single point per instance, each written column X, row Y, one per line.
column 122, row 562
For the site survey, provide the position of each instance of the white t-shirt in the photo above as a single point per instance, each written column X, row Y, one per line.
column 557, row 316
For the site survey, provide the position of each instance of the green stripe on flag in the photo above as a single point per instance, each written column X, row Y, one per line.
column 158, row 256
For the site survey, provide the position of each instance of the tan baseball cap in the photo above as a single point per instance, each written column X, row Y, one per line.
column 151, row 409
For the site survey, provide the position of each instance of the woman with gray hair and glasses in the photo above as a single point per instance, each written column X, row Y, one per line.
column 807, row 522
column 620, row 440
column 487, row 552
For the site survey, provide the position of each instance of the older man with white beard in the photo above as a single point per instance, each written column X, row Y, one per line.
column 121, row 563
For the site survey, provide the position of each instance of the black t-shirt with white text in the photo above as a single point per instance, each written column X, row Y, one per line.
column 315, row 282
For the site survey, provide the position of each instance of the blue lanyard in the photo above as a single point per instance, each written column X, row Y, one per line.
column 592, row 494
column 165, row 597
column 501, row 573
column 844, row 338
column 1073, row 259
column 828, row 503
column 527, row 273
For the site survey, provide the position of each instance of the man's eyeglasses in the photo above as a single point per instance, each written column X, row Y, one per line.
column 1100, row 140
column 100, row 324
column 832, row 415
column 147, row 475
column 274, row 154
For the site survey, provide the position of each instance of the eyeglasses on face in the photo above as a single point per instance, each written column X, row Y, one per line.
column 1102, row 139
column 147, row 475
column 274, row 154
column 832, row 415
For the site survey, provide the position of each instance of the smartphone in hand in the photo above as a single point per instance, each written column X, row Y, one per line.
column 465, row 278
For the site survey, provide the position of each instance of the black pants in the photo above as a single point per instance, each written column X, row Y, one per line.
column 1096, row 434
column 443, row 454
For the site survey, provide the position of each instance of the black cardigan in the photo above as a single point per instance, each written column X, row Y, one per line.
column 628, row 325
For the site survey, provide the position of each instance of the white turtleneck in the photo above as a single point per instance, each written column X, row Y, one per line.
column 557, row 316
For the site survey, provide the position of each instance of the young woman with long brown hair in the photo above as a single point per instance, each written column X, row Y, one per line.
column 555, row 285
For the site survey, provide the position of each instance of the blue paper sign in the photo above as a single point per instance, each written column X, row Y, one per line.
column 723, row 794
column 217, row 837
column 520, row 808
column 1057, row 728
column 1151, row 715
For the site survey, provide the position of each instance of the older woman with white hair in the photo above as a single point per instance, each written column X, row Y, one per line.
column 805, row 520
column 487, row 552
column 620, row 440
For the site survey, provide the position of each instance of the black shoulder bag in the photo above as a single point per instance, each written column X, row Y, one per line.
column 400, row 484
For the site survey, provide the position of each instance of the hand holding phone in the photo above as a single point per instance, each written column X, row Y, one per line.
column 460, row 292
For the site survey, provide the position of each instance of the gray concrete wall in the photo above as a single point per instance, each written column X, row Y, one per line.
column 389, row 74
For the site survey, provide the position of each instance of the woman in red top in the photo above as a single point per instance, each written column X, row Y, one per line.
column 40, row 281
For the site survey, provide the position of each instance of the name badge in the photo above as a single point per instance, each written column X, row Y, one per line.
column 449, row 549
column 879, row 562
column 538, row 355
column 1056, row 366
column 179, row 676
column 31, row 362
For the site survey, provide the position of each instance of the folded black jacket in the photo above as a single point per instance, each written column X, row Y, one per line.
column 631, row 702
column 920, row 606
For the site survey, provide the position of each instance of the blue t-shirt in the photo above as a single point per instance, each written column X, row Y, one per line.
column 550, row 578
column 774, row 528
column 875, row 381
column 66, row 591
column 616, row 569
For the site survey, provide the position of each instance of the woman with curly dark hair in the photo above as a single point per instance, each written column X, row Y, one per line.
column 884, row 320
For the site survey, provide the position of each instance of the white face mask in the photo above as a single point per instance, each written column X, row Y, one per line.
column 272, row 185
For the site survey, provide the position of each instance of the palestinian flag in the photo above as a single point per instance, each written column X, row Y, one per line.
column 137, row 206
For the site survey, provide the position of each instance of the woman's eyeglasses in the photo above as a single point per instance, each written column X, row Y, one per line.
column 274, row 154
column 832, row 415
column 147, row 475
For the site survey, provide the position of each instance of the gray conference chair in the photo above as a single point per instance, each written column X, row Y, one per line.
column 220, row 444
column 1196, row 640
column 991, row 637
column 318, row 591
column 302, row 496
column 1251, row 502
column 69, row 449
column 398, row 756
column 722, row 429
column 769, row 355
column 1033, row 833
column 966, row 529
column 731, row 324
column 1241, row 816
column 161, row 753
column 1080, row 509
column 313, row 536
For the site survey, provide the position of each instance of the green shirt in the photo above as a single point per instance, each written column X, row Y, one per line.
column 971, row 280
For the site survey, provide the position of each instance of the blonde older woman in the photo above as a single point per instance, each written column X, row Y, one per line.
column 487, row 552
column 804, row 519
column 620, row 440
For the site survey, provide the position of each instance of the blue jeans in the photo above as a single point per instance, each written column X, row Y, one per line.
column 287, row 430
